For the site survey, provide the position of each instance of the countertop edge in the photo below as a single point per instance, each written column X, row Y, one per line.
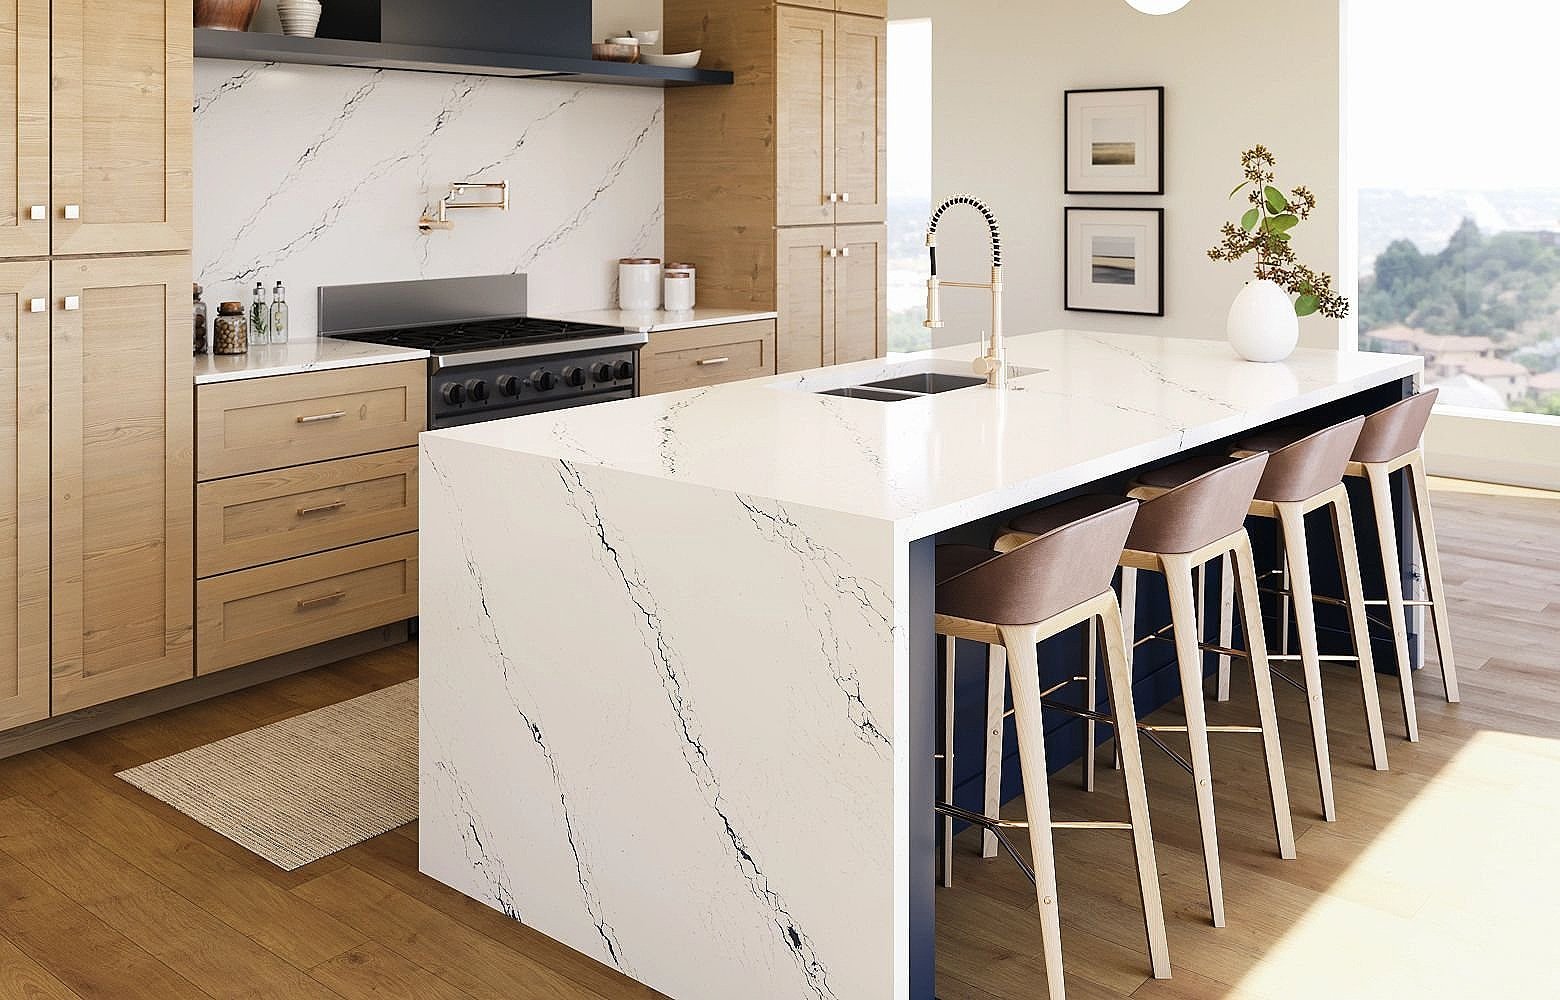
column 273, row 368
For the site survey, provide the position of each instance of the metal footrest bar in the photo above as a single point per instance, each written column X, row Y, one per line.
column 1324, row 658
column 1156, row 634
column 1289, row 680
column 1082, row 713
column 995, row 826
column 1090, row 824
column 1153, row 737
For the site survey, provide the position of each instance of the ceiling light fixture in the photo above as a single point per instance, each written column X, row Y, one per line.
column 1157, row 6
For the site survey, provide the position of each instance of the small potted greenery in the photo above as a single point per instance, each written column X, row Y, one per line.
column 1264, row 320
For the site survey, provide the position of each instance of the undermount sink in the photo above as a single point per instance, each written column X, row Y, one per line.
column 926, row 383
column 916, row 381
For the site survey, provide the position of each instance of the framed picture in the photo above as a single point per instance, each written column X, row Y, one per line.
column 1115, row 141
column 1114, row 259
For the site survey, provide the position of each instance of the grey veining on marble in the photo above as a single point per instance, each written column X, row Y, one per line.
column 317, row 176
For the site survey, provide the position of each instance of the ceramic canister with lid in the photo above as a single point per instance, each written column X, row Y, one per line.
column 639, row 284
column 693, row 281
column 679, row 290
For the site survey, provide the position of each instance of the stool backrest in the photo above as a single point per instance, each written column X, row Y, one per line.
column 1311, row 465
column 1045, row 576
column 1201, row 511
column 1395, row 431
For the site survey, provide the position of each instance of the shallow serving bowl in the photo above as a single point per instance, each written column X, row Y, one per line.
column 673, row 60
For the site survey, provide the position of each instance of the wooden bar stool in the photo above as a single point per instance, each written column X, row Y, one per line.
column 1389, row 442
column 1175, row 533
column 1305, row 474
column 1014, row 600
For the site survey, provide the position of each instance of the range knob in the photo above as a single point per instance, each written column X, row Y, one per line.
column 453, row 392
column 574, row 377
column 477, row 390
column 601, row 372
column 509, row 385
column 542, row 380
column 623, row 370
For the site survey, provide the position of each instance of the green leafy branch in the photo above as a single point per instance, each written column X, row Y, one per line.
column 1267, row 229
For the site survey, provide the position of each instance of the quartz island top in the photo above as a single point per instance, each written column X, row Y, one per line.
column 1100, row 404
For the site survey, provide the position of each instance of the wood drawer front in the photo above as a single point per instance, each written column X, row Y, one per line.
column 255, row 613
column 707, row 355
column 286, row 420
column 270, row 516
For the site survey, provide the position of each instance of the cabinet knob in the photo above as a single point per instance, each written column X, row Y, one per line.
column 72, row 303
column 37, row 305
column 38, row 213
column 833, row 197
column 844, row 251
column 834, row 251
column 72, row 212
column 844, row 196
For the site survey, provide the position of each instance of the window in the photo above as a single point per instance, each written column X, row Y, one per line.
column 1457, row 166
column 909, row 180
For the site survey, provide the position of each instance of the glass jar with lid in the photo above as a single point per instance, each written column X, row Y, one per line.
column 231, row 333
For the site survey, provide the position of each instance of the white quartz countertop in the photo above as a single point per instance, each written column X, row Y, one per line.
column 659, row 320
column 1105, row 403
column 296, row 356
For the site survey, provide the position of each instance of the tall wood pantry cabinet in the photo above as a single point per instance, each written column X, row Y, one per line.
column 777, row 185
column 96, row 536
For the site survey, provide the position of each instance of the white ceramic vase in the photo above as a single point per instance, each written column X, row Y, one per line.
column 1262, row 324
column 299, row 17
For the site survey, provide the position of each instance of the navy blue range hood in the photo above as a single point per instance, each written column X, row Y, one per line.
column 523, row 27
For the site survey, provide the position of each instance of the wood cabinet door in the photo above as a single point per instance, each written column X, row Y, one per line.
column 124, row 474
column 122, row 123
column 861, row 293
column 804, row 117
column 861, row 119
column 870, row 8
column 24, row 137
column 24, row 493
column 804, row 297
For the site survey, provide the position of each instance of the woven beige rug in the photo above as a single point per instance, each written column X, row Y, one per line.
column 297, row 790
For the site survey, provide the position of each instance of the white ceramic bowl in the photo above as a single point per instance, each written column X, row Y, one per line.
column 674, row 60
column 647, row 37
column 623, row 40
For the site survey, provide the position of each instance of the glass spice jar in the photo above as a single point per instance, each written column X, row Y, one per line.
column 202, row 323
column 232, row 330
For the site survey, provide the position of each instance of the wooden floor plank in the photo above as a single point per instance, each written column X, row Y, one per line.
column 375, row 971
column 24, row 979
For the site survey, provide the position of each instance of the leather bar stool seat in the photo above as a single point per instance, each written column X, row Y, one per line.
column 1201, row 517
column 1014, row 600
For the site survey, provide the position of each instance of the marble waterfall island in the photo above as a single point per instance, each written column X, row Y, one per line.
column 677, row 653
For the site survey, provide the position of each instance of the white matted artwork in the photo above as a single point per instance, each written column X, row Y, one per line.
column 1115, row 260
column 1115, row 141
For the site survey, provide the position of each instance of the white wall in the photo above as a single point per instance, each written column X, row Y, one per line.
column 999, row 72
column 318, row 175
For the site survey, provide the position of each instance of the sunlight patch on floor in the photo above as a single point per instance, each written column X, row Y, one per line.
column 1480, row 844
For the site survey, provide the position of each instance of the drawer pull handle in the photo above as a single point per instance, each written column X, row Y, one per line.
column 320, row 418
column 322, row 509
column 309, row 603
column 713, row 361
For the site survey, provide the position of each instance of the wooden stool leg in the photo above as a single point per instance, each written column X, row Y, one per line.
column 1359, row 627
column 1118, row 682
column 1091, row 700
column 1226, row 623
column 1024, row 675
column 1298, row 571
column 1129, row 578
column 1431, row 554
column 1183, row 614
column 1284, row 588
column 1256, row 643
column 950, row 652
column 1380, row 481
column 996, row 708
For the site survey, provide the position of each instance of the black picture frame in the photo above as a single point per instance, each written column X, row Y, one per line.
column 1069, row 214
column 1078, row 185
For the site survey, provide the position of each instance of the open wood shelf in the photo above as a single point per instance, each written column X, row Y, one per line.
column 212, row 43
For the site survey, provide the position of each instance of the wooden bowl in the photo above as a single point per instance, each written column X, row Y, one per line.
column 230, row 15
column 614, row 53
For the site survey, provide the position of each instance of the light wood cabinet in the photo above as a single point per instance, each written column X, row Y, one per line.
column 832, row 299
column 24, row 493
column 24, row 136
column 123, row 469
column 805, row 117
column 707, row 355
column 121, row 129
column 759, row 175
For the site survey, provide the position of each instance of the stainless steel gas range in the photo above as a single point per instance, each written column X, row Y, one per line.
column 490, row 358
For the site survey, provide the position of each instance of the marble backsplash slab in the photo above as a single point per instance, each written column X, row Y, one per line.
column 318, row 175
